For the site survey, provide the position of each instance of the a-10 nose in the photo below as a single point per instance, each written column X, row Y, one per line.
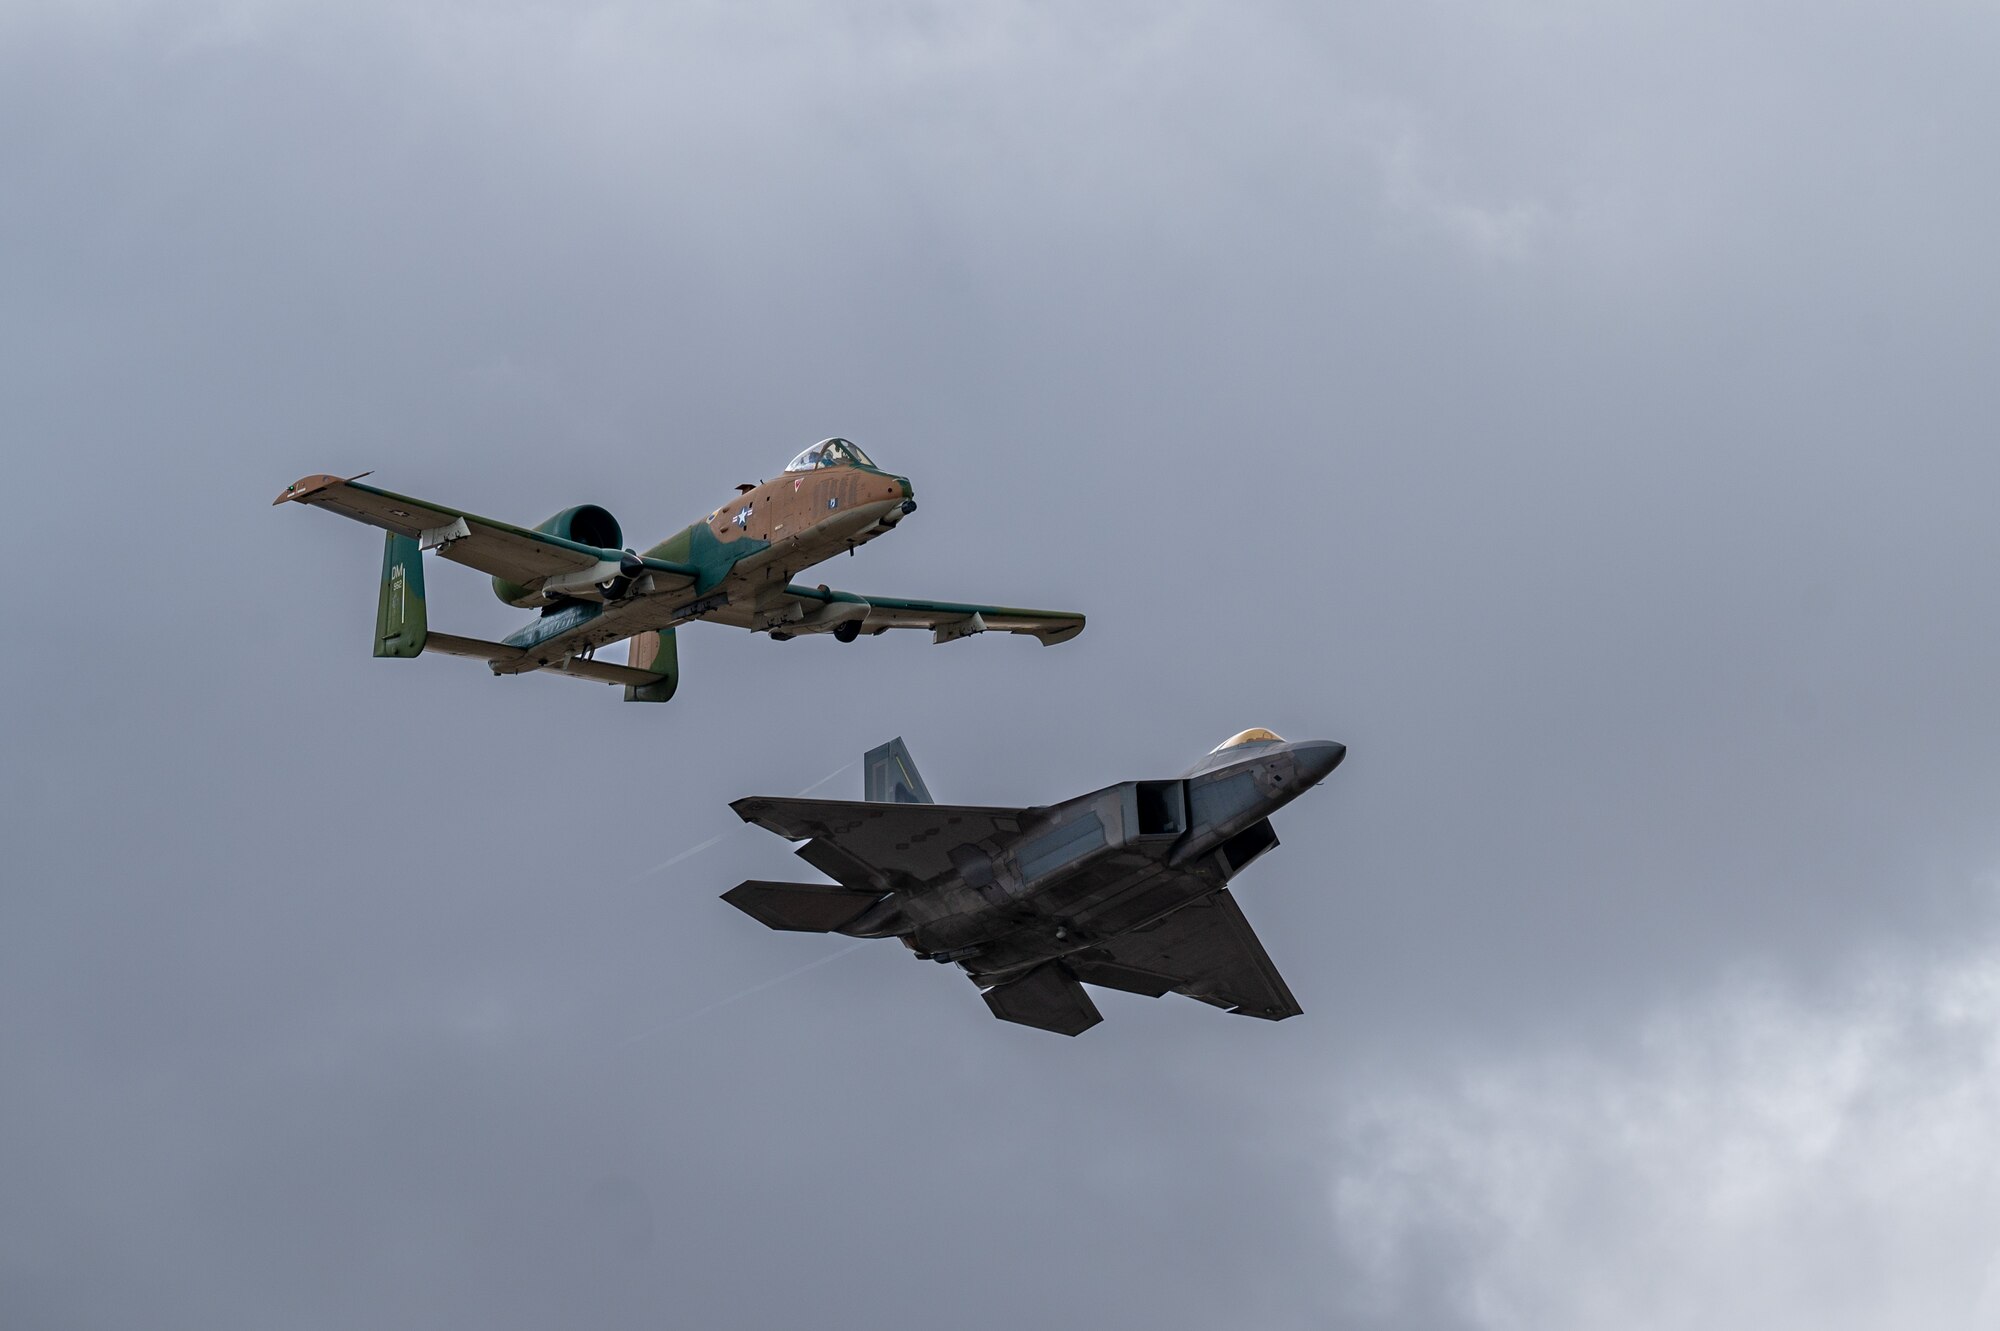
column 903, row 506
column 1317, row 758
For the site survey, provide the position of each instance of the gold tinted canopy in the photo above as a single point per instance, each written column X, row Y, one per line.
column 1255, row 735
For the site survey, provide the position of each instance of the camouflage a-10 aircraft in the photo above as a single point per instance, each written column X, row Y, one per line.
column 734, row 567
column 1126, row 887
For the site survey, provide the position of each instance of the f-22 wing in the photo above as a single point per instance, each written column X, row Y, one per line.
column 887, row 847
column 868, row 848
column 1206, row 950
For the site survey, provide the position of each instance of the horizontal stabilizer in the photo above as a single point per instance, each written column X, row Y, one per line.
column 450, row 644
column 500, row 654
column 605, row 672
column 809, row 908
column 1046, row 998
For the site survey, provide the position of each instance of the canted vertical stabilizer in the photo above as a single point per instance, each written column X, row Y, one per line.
column 892, row 777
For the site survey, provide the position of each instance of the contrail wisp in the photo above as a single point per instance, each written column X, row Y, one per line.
column 753, row 989
column 719, row 837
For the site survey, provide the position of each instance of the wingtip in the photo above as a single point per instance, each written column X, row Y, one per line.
column 1062, row 634
column 305, row 486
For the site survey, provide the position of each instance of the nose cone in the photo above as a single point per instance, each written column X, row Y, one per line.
column 1317, row 759
column 904, row 481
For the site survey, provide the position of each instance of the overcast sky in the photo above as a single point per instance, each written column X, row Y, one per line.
column 1586, row 412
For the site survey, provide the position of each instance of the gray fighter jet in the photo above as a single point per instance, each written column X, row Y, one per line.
column 1125, row 887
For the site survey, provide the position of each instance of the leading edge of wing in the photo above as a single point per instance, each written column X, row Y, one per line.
column 797, row 819
column 888, row 846
column 895, row 612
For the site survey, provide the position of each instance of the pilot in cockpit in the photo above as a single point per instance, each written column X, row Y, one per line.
column 830, row 453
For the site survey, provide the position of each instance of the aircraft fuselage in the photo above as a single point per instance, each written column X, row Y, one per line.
column 1105, row 863
column 1079, row 873
column 746, row 553
column 1123, row 888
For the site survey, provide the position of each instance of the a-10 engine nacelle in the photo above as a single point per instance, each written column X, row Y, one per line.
column 586, row 524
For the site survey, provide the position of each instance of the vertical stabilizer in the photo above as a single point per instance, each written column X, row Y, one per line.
column 654, row 650
column 401, row 625
column 892, row 777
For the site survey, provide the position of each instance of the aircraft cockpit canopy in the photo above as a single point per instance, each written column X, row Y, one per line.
column 830, row 453
column 1245, row 738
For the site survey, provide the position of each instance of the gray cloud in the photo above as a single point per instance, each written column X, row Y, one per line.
column 1755, row 1154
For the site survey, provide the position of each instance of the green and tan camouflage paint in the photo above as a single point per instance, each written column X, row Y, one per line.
column 401, row 622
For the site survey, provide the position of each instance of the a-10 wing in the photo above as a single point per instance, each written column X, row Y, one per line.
column 517, row 554
column 947, row 619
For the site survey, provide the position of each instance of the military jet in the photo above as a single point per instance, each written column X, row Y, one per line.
column 1125, row 888
column 733, row 567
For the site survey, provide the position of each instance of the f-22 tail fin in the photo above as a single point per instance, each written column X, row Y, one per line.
column 892, row 776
